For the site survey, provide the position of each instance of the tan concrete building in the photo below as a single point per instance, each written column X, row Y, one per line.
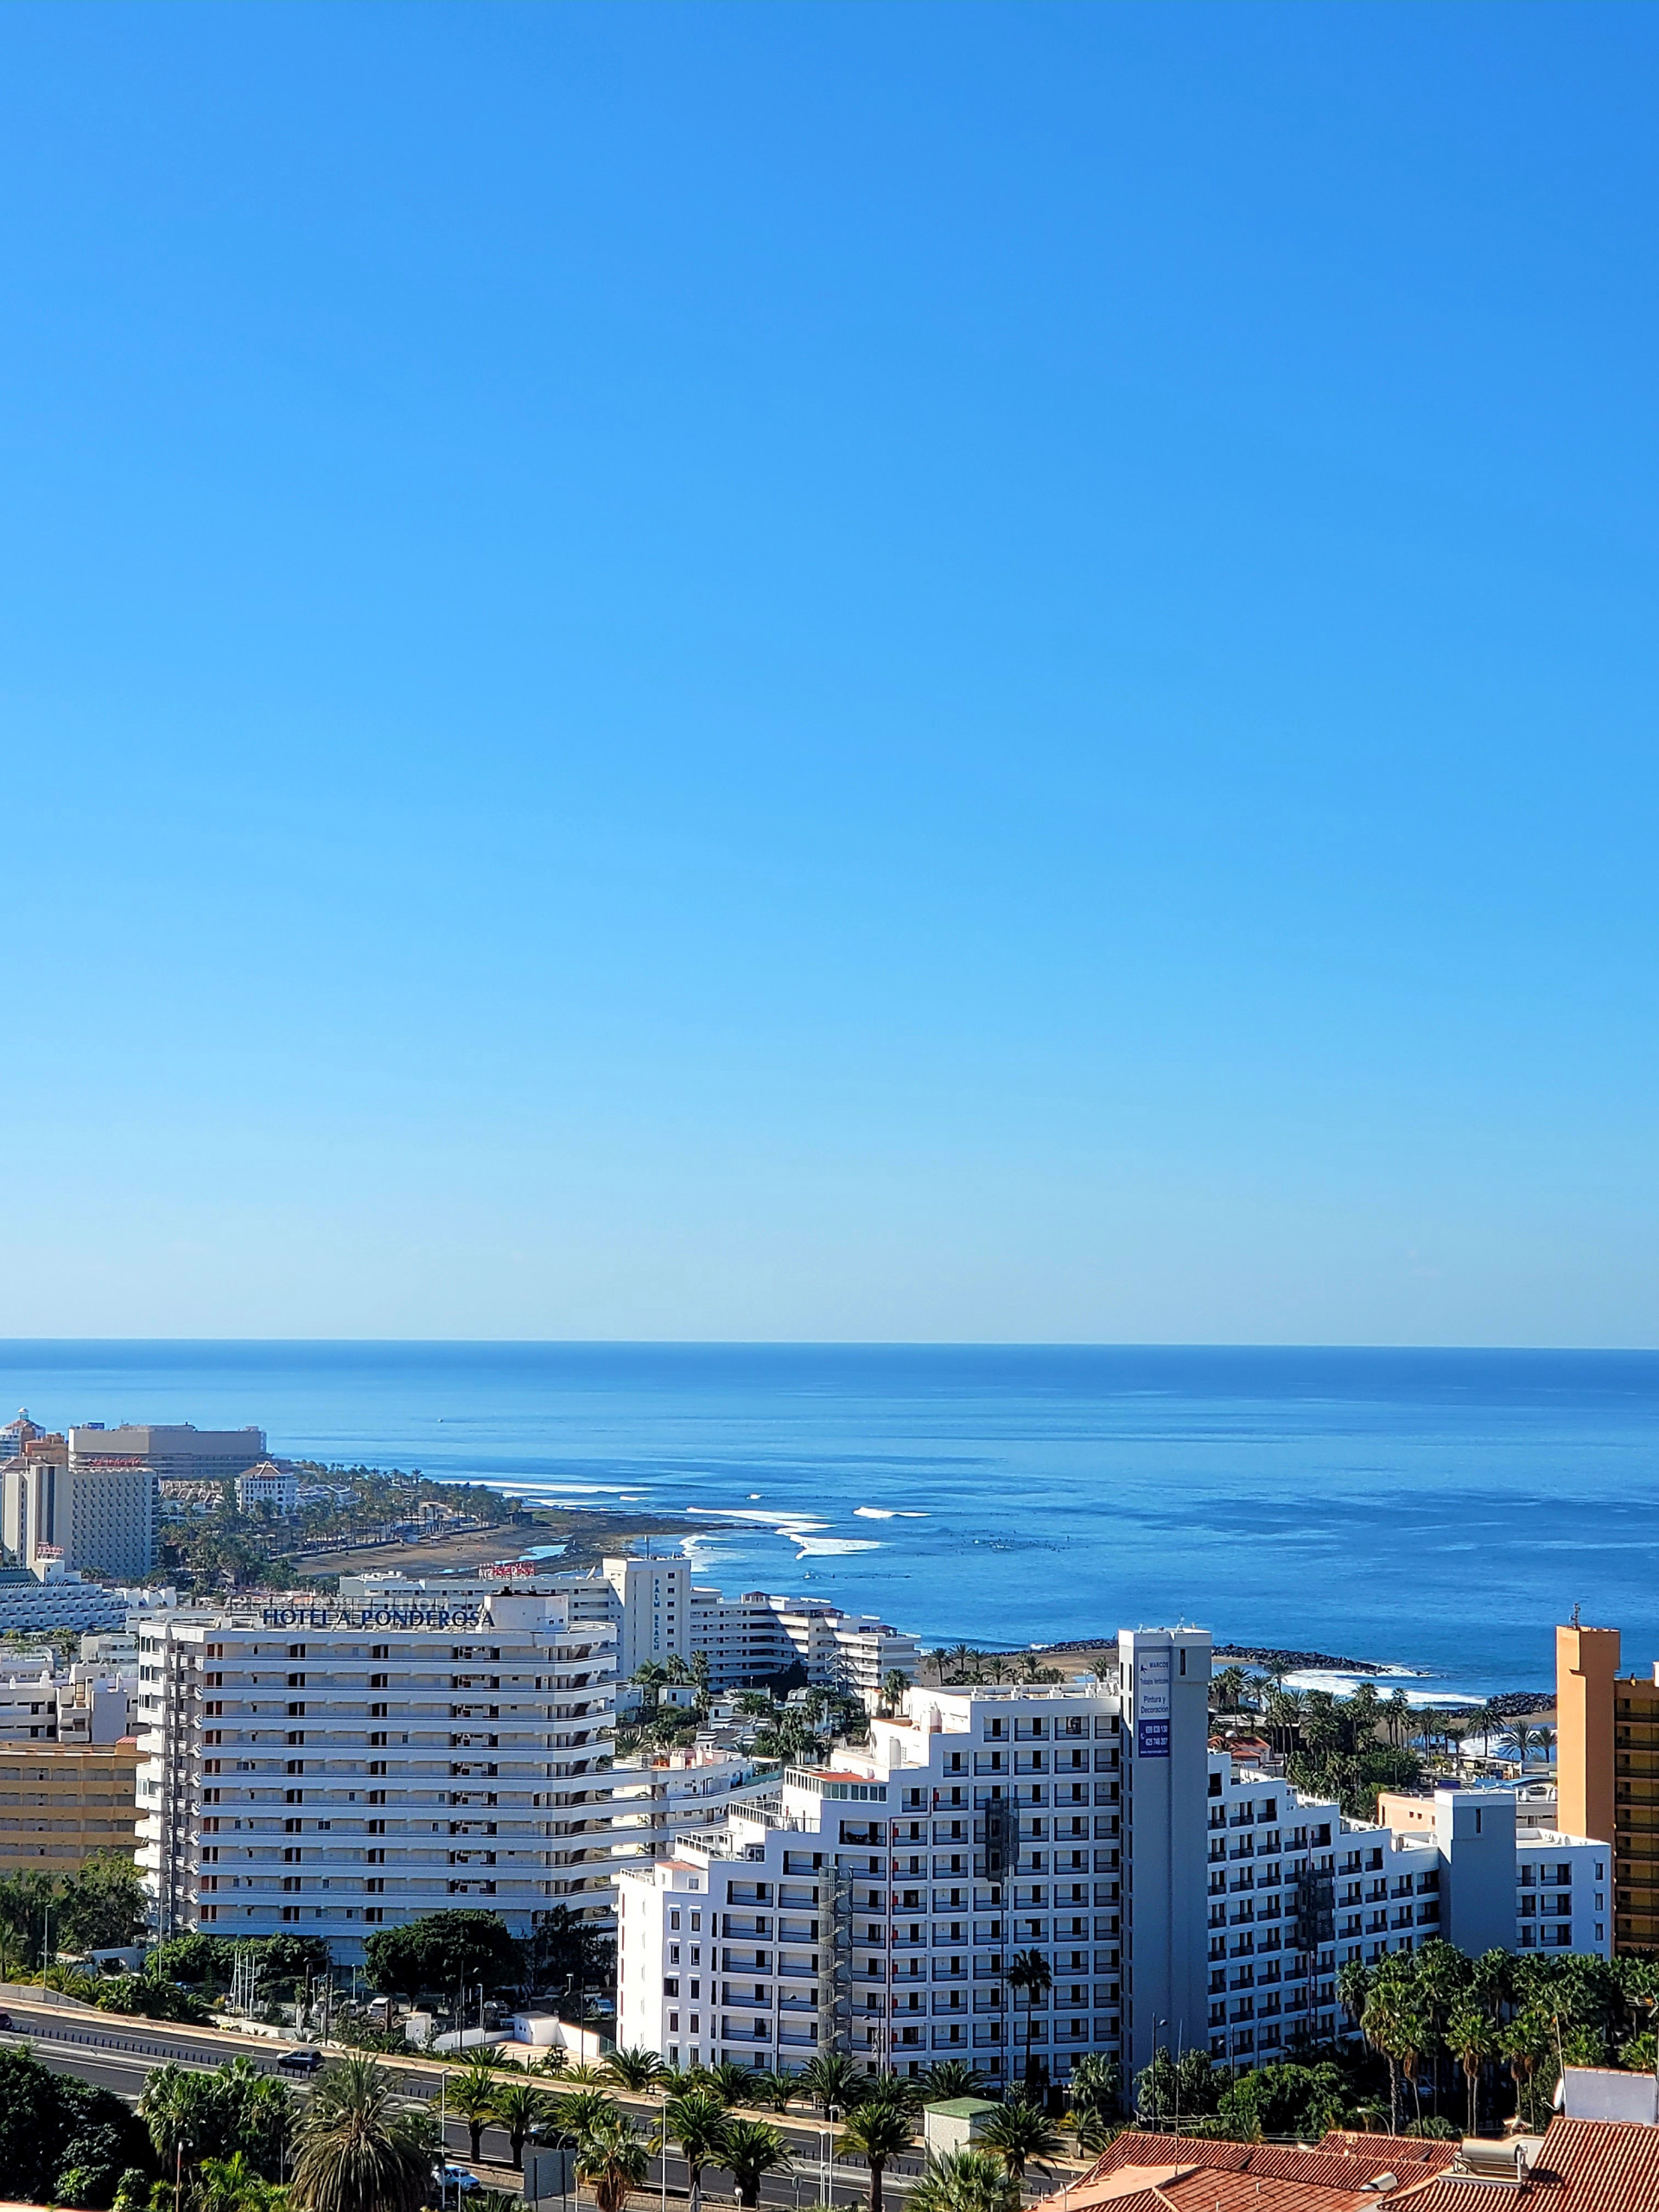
column 61, row 1802
column 1607, row 1753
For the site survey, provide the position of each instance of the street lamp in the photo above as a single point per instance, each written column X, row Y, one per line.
column 832, row 2113
column 663, row 2093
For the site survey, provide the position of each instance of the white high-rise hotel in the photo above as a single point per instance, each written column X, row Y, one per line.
column 332, row 1768
column 877, row 1909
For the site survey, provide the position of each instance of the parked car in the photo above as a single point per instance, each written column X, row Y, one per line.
column 299, row 2062
column 449, row 2177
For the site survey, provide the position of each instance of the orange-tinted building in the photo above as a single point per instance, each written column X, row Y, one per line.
column 1607, row 1754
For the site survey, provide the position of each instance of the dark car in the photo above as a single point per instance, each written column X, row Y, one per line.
column 299, row 2062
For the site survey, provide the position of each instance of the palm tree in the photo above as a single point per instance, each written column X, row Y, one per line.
column 964, row 2181
column 589, row 2111
column 1228, row 1689
column 613, row 2161
column 586, row 2073
column 472, row 2096
column 632, row 2069
column 518, row 2106
column 1544, row 1741
column 963, row 1656
column 650, row 1676
column 752, row 2148
column 232, row 2185
column 1096, row 2085
column 875, row 2132
column 358, row 2151
column 732, row 2080
column 894, row 1683
column 777, row 2090
column 833, row 2079
column 1018, row 2132
column 1473, row 2041
column 697, row 2122
column 1030, row 1971
column 951, row 2077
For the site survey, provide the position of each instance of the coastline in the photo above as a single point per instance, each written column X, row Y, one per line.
column 586, row 1534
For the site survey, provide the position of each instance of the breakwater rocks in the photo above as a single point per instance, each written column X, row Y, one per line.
column 1297, row 1662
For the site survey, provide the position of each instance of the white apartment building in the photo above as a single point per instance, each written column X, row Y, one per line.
column 758, row 1634
column 1296, row 1891
column 336, row 1767
column 57, row 1511
column 875, row 1910
column 658, row 1614
column 54, row 1597
column 657, row 1796
column 266, row 1484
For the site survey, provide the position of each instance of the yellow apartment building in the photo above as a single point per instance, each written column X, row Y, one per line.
column 61, row 1802
column 1607, row 1751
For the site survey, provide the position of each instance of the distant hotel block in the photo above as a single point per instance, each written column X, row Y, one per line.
column 90, row 1500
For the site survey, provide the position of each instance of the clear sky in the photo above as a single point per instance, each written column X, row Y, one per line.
column 766, row 671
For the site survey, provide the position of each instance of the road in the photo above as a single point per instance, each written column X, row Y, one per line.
column 117, row 2054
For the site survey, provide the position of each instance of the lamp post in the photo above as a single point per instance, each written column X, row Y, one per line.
column 179, row 2149
column 832, row 2113
column 663, row 2093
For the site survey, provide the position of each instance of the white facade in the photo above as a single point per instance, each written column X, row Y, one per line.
column 759, row 1633
column 874, row 1911
column 658, row 1614
column 54, row 1511
column 657, row 1797
column 1560, row 1897
column 268, row 1485
column 1296, row 1892
column 336, row 1768
column 54, row 1598
column 651, row 1609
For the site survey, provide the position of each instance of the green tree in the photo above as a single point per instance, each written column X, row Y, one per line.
column 697, row 2120
column 1473, row 2041
column 832, row 2079
column 877, row 2131
column 732, row 2081
column 612, row 2161
column 103, row 1905
column 1030, row 1973
column 780, row 2091
column 1284, row 2100
column 964, row 2181
column 358, row 2150
column 753, row 2148
column 518, row 2107
column 444, row 1951
column 634, row 2069
column 232, row 2185
column 1097, row 2084
column 948, row 2078
column 234, row 2110
column 1020, row 2133
column 471, row 2097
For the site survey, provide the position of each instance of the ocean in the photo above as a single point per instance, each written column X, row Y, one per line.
column 1439, row 1510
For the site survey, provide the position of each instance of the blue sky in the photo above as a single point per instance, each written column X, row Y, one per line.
column 922, row 672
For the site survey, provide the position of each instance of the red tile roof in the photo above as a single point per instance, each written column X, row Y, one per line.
column 1582, row 2166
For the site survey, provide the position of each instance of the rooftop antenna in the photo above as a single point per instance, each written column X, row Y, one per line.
column 1577, row 1610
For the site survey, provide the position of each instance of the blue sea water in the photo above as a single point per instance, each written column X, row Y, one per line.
column 1439, row 1508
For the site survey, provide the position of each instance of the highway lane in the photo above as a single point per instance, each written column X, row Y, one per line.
column 117, row 2053
column 119, row 2058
